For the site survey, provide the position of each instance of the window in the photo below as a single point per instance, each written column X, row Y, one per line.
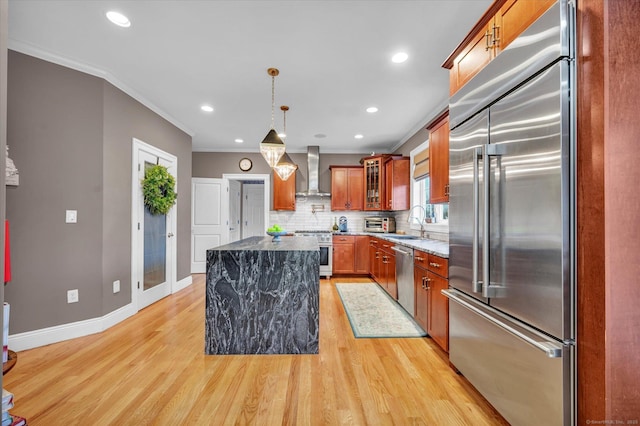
column 437, row 214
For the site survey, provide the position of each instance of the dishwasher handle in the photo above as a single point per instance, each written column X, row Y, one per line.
column 406, row 253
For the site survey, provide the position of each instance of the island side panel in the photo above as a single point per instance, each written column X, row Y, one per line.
column 262, row 301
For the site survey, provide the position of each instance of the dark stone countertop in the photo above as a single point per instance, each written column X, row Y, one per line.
column 267, row 244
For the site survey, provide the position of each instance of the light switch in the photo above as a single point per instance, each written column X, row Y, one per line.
column 72, row 216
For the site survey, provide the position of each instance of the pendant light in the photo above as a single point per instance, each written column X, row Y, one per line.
column 272, row 147
column 285, row 167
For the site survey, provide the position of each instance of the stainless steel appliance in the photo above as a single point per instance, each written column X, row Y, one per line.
column 404, row 277
column 512, row 223
column 380, row 224
column 325, row 241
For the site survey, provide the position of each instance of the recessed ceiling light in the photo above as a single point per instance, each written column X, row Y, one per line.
column 118, row 18
column 399, row 57
column 206, row 108
column 358, row 136
column 239, row 140
column 371, row 110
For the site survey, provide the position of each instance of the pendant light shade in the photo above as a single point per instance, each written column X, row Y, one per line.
column 285, row 167
column 272, row 147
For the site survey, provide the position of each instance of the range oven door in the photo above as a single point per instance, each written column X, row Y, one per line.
column 326, row 260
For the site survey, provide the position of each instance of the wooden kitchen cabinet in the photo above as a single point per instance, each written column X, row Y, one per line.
column 284, row 193
column 432, row 307
column 374, row 183
column 503, row 21
column 439, row 160
column 361, row 255
column 397, row 183
column 374, row 258
column 387, row 269
column 351, row 254
column 347, row 183
column 343, row 254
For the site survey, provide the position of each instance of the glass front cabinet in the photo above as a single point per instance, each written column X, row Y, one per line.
column 374, row 182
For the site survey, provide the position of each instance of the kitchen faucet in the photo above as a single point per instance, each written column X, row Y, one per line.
column 420, row 220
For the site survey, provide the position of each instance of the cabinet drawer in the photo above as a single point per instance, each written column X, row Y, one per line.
column 439, row 265
column 344, row 239
column 386, row 246
column 421, row 259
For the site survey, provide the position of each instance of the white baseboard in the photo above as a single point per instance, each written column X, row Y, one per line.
column 60, row 333
column 183, row 283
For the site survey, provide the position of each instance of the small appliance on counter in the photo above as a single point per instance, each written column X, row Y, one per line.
column 342, row 227
column 380, row 224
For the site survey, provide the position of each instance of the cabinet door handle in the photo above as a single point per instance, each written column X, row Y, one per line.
column 495, row 39
column 419, row 259
column 435, row 265
column 487, row 37
column 427, row 280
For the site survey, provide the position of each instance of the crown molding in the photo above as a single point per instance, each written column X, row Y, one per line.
column 39, row 53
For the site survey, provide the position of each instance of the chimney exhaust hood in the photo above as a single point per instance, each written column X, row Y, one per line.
column 313, row 174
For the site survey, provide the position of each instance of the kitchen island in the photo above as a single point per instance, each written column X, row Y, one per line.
column 263, row 297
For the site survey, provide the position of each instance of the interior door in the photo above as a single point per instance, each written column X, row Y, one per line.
column 253, row 210
column 156, row 240
column 209, row 219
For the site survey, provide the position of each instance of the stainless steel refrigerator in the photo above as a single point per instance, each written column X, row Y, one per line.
column 511, row 223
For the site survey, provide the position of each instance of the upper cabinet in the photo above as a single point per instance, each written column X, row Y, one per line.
column 495, row 30
column 439, row 160
column 284, row 193
column 374, row 183
column 397, row 182
column 347, row 187
column 386, row 182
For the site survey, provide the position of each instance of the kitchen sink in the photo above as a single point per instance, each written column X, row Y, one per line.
column 404, row 237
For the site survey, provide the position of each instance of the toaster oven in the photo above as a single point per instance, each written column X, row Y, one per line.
column 380, row 224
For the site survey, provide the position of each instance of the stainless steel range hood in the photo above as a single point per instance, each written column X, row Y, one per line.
column 313, row 174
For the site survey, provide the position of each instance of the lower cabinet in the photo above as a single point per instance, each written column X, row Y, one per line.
column 432, row 307
column 351, row 254
column 387, row 268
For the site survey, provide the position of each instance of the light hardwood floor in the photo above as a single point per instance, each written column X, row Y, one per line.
column 151, row 369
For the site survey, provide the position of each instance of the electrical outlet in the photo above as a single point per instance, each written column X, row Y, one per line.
column 72, row 296
column 72, row 216
column 116, row 286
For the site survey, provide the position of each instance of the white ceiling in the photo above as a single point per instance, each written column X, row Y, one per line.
column 333, row 57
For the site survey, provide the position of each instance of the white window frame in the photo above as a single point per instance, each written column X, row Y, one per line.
column 417, row 198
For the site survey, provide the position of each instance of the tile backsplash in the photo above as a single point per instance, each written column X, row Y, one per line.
column 315, row 214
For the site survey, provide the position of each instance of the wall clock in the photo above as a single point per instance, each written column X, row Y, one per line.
column 245, row 164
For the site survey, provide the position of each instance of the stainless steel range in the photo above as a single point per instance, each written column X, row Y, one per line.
column 325, row 241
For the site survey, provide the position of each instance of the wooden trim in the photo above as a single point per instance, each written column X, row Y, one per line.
column 441, row 116
column 484, row 19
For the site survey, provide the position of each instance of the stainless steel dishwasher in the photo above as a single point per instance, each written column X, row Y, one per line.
column 404, row 277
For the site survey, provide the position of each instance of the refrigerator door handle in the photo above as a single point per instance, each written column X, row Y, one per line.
column 476, row 284
column 553, row 350
column 488, row 290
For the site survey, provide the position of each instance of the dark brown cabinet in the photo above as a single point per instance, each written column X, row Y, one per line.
column 350, row 254
column 386, row 182
column 432, row 307
column 397, row 183
column 496, row 29
column 347, row 188
column 439, row 160
column 284, row 193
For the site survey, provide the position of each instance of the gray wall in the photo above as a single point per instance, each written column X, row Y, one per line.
column 70, row 135
column 215, row 164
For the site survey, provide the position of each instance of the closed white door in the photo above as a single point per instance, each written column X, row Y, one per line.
column 154, row 237
column 235, row 220
column 209, row 219
column 253, row 210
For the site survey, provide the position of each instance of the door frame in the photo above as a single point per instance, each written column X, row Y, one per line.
column 266, row 180
column 137, row 273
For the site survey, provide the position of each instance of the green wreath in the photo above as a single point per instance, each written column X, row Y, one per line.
column 158, row 188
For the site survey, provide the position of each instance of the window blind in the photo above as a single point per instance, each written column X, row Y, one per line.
column 421, row 165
